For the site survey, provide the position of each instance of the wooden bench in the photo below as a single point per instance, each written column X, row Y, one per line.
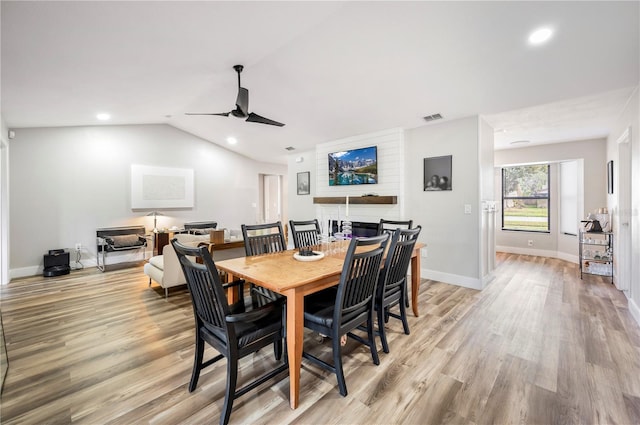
column 117, row 239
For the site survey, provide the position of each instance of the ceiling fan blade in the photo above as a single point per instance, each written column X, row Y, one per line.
column 242, row 101
column 262, row 120
column 223, row 114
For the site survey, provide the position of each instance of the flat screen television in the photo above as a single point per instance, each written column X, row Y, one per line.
column 355, row 166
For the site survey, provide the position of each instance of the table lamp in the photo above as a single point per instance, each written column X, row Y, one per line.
column 155, row 220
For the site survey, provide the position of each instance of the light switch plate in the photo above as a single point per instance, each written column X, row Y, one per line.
column 467, row 208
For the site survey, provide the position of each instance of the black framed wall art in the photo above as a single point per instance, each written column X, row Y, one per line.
column 437, row 173
column 303, row 183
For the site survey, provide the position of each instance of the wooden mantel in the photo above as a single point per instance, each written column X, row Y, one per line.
column 370, row 200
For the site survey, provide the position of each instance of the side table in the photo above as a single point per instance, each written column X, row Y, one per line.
column 160, row 240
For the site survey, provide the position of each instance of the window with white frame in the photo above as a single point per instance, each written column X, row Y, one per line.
column 525, row 198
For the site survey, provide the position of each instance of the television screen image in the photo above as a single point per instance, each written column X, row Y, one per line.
column 355, row 166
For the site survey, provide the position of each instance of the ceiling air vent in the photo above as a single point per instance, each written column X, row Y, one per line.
column 290, row 148
column 433, row 117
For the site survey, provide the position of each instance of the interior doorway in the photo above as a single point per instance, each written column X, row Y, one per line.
column 271, row 189
column 622, row 223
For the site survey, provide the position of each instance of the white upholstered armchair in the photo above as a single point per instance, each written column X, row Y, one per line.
column 165, row 269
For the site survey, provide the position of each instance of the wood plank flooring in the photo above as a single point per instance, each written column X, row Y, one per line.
column 537, row 346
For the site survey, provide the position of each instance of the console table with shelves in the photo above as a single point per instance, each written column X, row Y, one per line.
column 596, row 253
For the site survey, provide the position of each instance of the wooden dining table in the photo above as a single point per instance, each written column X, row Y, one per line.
column 282, row 273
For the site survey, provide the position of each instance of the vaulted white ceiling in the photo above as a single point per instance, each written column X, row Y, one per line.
column 327, row 69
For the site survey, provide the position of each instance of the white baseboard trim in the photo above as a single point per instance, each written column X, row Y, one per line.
column 634, row 310
column 487, row 279
column 453, row 279
column 539, row 253
column 568, row 257
column 111, row 259
column 24, row 272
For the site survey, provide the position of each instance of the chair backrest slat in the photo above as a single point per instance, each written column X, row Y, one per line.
column 208, row 297
column 263, row 238
column 305, row 233
column 359, row 277
column 390, row 225
column 396, row 264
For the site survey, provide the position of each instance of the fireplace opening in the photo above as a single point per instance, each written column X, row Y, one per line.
column 361, row 229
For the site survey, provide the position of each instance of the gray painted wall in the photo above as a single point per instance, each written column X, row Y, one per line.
column 4, row 202
column 592, row 155
column 66, row 182
column 453, row 250
column 452, row 237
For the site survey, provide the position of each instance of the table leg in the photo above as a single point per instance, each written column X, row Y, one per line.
column 415, row 282
column 295, row 340
column 232, row 293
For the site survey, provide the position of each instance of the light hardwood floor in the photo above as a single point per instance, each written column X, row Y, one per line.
column 538, row 346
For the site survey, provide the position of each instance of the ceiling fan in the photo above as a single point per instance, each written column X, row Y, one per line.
column 242, row 106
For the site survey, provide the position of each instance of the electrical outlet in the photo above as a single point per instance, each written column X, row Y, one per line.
column 530, row 242
column 78, row 246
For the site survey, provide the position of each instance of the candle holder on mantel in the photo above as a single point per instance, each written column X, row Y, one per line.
column 346, row 229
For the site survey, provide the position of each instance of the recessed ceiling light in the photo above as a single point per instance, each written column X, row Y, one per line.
column 103, row 117
column 539, row 36
column 519, row 142
column 232, row 140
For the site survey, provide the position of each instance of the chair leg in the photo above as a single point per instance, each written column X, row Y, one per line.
column 403, row 316
column 372, row 341
column 381, row 330
column 149, row 282
column 277, row 345
column 230, row 391
column 197, row 363
column 337, row 364
column 286, row 353
column 166, row 293
column 277, row 349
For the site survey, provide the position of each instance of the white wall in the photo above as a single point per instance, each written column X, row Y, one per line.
column 630, row 119
column 390, row 148
column 591, row 155
column 66, row 182
column 488, row 206
column 301, row 207
column 452, row 237
column 4, row 203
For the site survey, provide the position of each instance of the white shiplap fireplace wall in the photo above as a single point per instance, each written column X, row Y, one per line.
column 390, row 144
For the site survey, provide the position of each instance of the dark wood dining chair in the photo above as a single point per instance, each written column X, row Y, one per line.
column 262, row 239
column 393, row 224
column 305, row 233
column 337, row 313
column 392, row 284
column 390, row 225
column 235, row 330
